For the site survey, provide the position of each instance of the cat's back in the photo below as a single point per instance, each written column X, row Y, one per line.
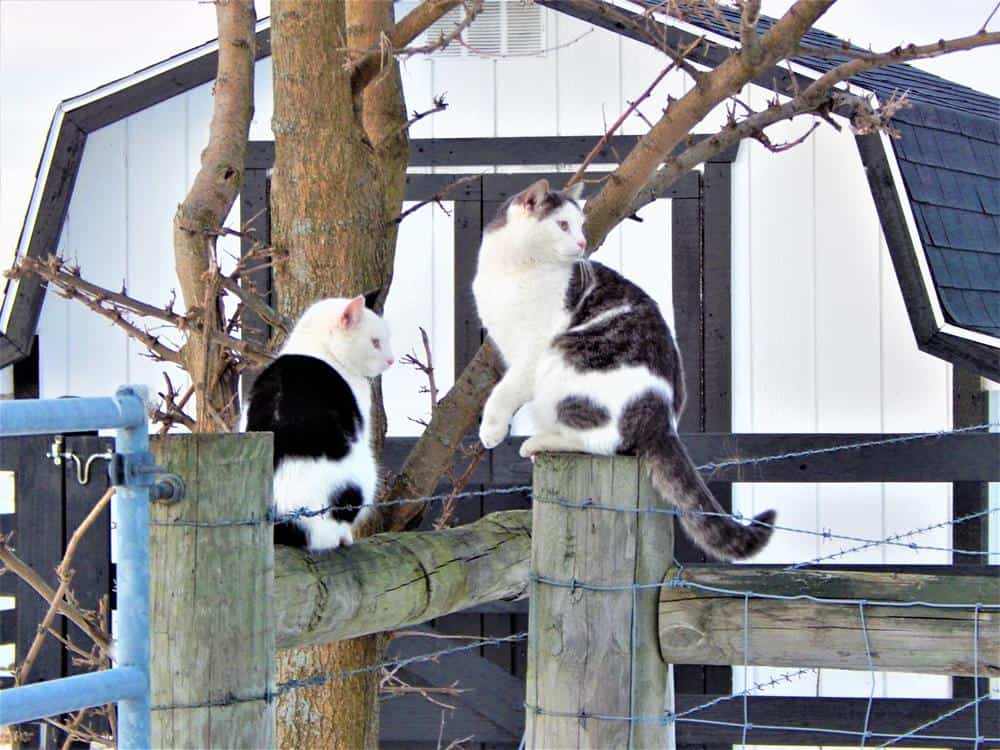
column 614, row 322
column 307, row 404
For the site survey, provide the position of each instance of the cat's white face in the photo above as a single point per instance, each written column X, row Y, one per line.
column 349, row 332
column 545, row 225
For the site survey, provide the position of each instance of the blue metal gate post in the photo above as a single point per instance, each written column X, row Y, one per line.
column 132, row 498
column 133, row 475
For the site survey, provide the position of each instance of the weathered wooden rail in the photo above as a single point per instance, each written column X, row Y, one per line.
column 820, row 624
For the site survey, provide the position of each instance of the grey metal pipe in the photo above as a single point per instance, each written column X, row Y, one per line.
column 29, row 702
column 38, row 417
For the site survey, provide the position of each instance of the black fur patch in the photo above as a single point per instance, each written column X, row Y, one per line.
column 307, row 405
column 637, row 337
column 290, row 534
column 580, row 413
column 346, row 503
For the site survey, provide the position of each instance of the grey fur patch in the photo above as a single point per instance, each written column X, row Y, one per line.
column 552, row 202
column 580, row 413
column 638, row 336
column 646, row 430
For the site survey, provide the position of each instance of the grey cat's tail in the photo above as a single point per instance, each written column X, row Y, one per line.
column 677, row 480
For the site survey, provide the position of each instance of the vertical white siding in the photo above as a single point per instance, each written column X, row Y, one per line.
column 822, row 344
column 421, row 297
column 95, row 352
column 158, row 157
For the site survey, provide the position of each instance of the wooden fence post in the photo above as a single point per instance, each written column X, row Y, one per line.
column 595, row 653
column 211, row 595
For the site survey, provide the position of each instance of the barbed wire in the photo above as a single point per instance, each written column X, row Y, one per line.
column 707, row 468
column 317, row 680
column 893, row 540
column 691, row 715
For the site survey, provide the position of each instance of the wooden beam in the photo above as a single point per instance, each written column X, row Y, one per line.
column 394, row 580
column 701, row 626
column 963, row 457
column 787, row 720
column 211, row 598
column 593, row 653
column 487, row 690
column 411, row 722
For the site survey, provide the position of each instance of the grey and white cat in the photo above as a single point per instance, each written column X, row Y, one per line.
column 593, row 354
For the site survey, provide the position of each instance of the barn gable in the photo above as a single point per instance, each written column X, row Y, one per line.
column 936, row 188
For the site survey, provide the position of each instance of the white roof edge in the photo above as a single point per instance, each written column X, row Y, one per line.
column 55, row 127
column 152, row 71
column 28, row 227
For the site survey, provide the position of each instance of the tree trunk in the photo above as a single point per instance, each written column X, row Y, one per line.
column 331, row 209
column 206, row 206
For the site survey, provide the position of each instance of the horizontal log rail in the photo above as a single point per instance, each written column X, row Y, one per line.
column 706, row 618
column 394, row 580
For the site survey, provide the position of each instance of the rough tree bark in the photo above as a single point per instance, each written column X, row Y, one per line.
column 199, row 218
column 327, row 230
column 341, row 151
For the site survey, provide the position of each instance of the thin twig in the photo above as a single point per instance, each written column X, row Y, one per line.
column 439, row 105
column 70, row 610
column 257, row 304
column 65, row 575
column 440, row 195
column 578, row 175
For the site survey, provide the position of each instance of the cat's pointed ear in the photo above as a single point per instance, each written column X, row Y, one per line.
column 352, row 313
column 574, row 191
column 371, row 298
column 533, row 195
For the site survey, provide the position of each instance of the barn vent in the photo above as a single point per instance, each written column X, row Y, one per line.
column 503, row 28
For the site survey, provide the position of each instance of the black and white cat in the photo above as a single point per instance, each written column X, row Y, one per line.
column 593, row 354
column 316, row 399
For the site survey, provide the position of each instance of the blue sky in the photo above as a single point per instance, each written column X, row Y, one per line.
column 55, row 49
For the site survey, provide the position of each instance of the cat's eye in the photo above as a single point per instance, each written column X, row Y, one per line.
column 564, row 225
column 377, row 343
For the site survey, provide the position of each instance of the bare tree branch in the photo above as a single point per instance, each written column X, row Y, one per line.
column 578, row 175
column 255, row 302
column 438, row 105
column 55, row 270
column 367, row 67
column 749, row 39
column 439, row 196
column 199, row 219
column 612, row 204
column 65, row 575
column 23, row 571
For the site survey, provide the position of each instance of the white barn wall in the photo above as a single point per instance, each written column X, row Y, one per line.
column 821, row 343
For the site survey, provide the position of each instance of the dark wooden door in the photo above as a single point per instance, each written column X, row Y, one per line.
column 49, row 504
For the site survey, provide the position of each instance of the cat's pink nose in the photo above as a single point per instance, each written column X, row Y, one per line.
column 391, row 360
column 582, row 244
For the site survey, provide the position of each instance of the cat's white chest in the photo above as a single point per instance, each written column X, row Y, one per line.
column 522, row 308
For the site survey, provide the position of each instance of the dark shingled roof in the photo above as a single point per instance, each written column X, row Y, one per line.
column 950, row 163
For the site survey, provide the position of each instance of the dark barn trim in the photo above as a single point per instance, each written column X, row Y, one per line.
column 74, row 125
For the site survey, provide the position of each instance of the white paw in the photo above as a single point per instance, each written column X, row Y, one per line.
column 529, row 448
column 492, row 433
column 326, row 534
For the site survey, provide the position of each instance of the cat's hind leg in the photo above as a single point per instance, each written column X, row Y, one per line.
column 326, row 533
column 552, row 442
